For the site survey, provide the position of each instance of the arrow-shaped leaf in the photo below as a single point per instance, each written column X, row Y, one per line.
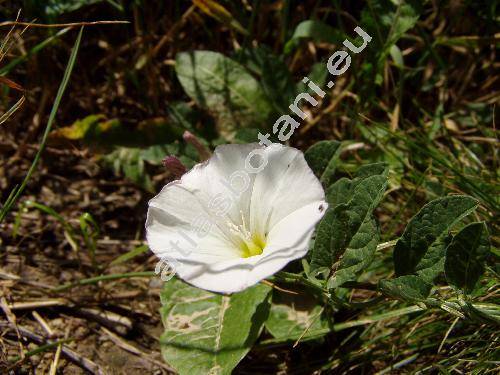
column 409, row 288
column 465, row 256
column 421, row 248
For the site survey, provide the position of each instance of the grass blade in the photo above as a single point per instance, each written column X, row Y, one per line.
column 67, row 73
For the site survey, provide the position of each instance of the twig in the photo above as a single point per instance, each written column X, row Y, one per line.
column 377, row 318
column 132, row 349
column 74, row 357
column 8, row 276
column 119, row 323
column 172, row 31
column 306, row 127
column 308, row 326
column 12, row 110
column 72, row 24
column 53, row 366
column 37, row 304
column 11, row 318
column 447, row 334
column 51, row 334
column 43, row 323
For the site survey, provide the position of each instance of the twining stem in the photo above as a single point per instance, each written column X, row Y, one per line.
column 450, row 307
column 294, row 278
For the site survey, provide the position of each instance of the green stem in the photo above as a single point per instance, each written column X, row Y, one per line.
column 294, row 279
column 355, row 323
column 358, row 285
column 95, row 280
column 377, row 318
column 41, row 349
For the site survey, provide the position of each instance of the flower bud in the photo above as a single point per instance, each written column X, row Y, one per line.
column 174, row 166
column 203, row 152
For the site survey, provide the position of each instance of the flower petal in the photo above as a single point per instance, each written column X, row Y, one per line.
column 283, row 186
column 235, row 275
column 283, row 202
column 212, row 182
column 173, row 227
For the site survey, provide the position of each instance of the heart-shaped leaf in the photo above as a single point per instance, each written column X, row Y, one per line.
column 409, row 288
column 208, row 333
column 223, row 87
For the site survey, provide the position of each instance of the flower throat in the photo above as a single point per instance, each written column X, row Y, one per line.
column 249, row 244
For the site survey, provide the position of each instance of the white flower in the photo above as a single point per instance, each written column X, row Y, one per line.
column 227, row 225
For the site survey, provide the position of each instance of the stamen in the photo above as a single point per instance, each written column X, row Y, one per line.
column 249, row 244
column 243, row 221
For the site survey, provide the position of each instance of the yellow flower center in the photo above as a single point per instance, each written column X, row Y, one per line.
column 254, row 246
column 249, row 244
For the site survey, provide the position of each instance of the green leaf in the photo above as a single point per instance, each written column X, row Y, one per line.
column 316, row 30
column 343, row 189
column 409, row 288
column 318, row 74
column 275, row 78
column 246, row 135
column 420, row 250
column 54, row 8
column 465, row 256
column 208, row 333
column 483, row 311
column 129, row 162
column 397, row 56
column 129, row 255
column 372, row 170
column 390, row 20
column 322, row 157
column 223, row 87
column 343, row 227
column 340, row 192
column 358, row 255
column 296, row 316
column 432, row 264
